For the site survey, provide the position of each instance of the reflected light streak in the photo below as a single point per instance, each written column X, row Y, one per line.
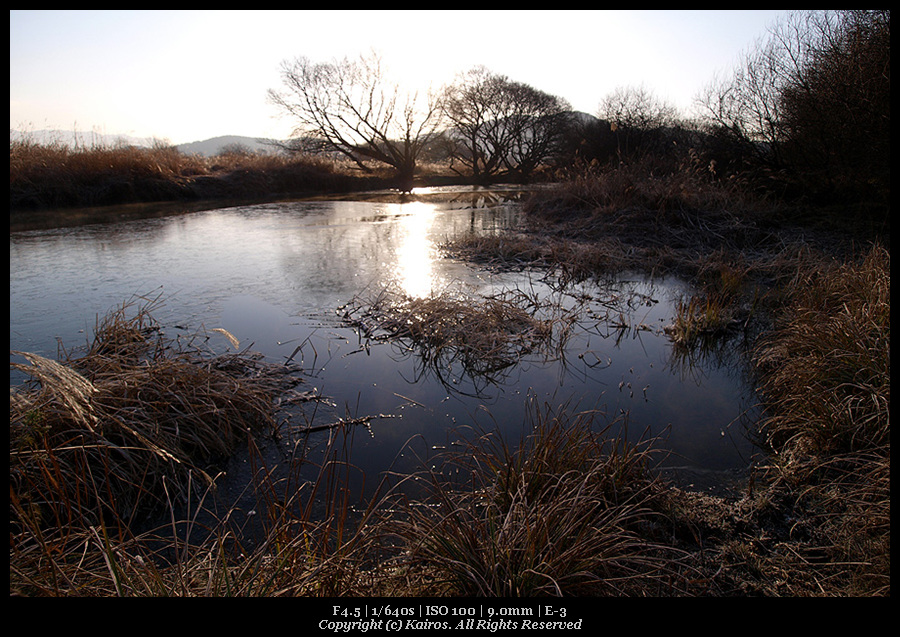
column 416, row 252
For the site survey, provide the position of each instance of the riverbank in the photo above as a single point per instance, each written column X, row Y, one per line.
column 568, row 510
column 813, row 521
column 814, row 293
column 56, row 185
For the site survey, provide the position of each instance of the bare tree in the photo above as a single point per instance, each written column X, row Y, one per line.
column 813, row 98
column 836, row 108
column 351, row 107
column 501, row 127
column 636, row 117
column 746, row 103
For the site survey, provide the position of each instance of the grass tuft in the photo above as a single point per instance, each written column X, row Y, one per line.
column 101, row 437
column 826, row 382
column 565, row 512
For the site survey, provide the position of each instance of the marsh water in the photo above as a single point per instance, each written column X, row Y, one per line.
column 276, row 276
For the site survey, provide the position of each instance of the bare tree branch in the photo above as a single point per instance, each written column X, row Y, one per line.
column 501, row 127
column 351, row 107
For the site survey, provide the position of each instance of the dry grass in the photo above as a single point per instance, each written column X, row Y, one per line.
column 824, row 370
column 633, row 198
column 107, row 436
column 301, row 548
column 567, row 259
column 826, row 379
column 631, row 218
column 705, row 315
column 569, row 510
column 57, row 175
column 479, row 337
column 827, row 364
column 134, row 429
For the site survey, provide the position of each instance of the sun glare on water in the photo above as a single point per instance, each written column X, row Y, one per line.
column 416, row 251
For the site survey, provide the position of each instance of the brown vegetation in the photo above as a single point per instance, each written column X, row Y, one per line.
column 568, row 510
column 112, row 434
column 97, row 441
column 55, row 175
column 823, row 371
column 826, row 380
column 454, row 333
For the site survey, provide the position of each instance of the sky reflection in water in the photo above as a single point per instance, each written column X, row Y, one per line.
column 274, row 275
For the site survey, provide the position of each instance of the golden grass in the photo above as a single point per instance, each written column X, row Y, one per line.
column 701, row 316
column 134, row 424
column 57, row 175
column 300, row 550
column 117, row 431
column 824, row 370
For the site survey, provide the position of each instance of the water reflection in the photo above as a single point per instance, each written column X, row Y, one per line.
column 416, row 250
column 273, row 275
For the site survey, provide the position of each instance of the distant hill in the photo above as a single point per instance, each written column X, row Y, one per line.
column 215, row 145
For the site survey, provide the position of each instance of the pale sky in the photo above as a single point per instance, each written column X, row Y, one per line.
column 184, row 76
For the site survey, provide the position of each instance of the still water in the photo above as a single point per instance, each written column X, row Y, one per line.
column 276, row 275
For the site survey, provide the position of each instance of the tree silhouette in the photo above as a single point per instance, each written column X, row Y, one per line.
column 351, row 107
column 812, row 103
column 501, row 127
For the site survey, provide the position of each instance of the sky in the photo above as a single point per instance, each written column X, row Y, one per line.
column 183, row 76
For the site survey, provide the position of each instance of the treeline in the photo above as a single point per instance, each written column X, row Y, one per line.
column 805, row 116
column 811, row 106
column 806, row 112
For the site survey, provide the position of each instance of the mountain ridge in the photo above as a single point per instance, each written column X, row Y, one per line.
column 215, row 145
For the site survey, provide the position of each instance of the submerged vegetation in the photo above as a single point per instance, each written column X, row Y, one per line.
column 458, row 335
column 783, row 230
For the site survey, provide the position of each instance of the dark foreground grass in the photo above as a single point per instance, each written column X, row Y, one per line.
column 569, row 510
column 135, row 429
column 826, row 378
